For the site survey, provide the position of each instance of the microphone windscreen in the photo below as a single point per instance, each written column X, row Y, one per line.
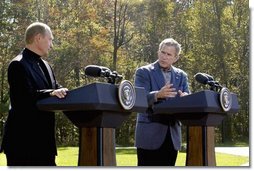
column 93, row 70
column 201, row 78
column 210, row 78
column 103, row 68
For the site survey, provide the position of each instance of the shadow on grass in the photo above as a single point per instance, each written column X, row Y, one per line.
column 126, row 151
column 62, row 148
column 66, row 148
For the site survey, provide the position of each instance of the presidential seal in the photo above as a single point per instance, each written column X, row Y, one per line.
column 225, row 99
column 126, row 94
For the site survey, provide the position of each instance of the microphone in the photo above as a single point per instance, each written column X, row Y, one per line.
column 204, row 78
column 97, row 71
column 210, row 78
column 201, row 78
column 101, row 71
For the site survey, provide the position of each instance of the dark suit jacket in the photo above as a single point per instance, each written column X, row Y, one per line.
column 27, row 129
column 151, row 130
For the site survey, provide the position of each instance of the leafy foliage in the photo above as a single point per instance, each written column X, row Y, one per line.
column 214, row 35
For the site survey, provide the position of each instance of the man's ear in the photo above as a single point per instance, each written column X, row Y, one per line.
column 37, row 37
column 176, row 58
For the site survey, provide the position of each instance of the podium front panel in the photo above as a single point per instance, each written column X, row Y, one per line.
column 201, row 108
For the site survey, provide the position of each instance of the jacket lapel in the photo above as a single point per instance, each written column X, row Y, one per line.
column 157, row 75
column 33, row 64
column 39, row 72
column 50, row 74
column 175, row 76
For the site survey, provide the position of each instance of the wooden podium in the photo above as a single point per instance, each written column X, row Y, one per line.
column 200, row 111
column 95, row 109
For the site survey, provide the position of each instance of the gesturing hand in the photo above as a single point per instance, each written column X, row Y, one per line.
column 182, row 93
column 166, row 91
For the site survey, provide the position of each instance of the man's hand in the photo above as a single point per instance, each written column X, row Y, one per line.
column 166, row 91
column 60, row 93
column 182, row 93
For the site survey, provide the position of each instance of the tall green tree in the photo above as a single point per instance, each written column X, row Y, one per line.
column 124, row 35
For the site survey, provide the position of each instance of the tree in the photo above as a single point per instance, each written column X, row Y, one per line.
column 120, row 28
column 124, row 35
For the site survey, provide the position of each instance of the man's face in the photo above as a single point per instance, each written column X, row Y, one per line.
column 167, row 56
column 44, row 43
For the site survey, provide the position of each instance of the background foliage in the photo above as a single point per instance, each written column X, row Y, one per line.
column 123, row 35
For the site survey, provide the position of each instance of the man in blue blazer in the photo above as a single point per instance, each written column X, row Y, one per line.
column 156, row 138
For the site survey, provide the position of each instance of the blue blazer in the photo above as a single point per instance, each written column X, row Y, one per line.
column 150, row 134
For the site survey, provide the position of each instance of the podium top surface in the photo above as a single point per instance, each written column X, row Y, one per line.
column 94, row 96
column 206, row 101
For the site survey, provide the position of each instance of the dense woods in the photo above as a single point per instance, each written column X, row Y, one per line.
column 123, row 35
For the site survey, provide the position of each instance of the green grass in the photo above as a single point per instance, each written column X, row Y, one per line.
column 127, row 157
column 68, row 156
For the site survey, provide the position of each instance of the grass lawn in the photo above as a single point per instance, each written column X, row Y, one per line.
column 68, row 156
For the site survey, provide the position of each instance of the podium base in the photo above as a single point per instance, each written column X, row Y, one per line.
column 97, row 147
column 202, row 154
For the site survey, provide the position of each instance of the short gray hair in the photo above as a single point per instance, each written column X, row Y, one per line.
column 34, row 29
column 171, row 42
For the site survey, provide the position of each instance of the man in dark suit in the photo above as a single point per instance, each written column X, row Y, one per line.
column 29, row 134
column 157, row 139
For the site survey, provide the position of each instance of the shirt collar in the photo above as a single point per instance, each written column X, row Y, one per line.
column 34, row 56
column 166, row 70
